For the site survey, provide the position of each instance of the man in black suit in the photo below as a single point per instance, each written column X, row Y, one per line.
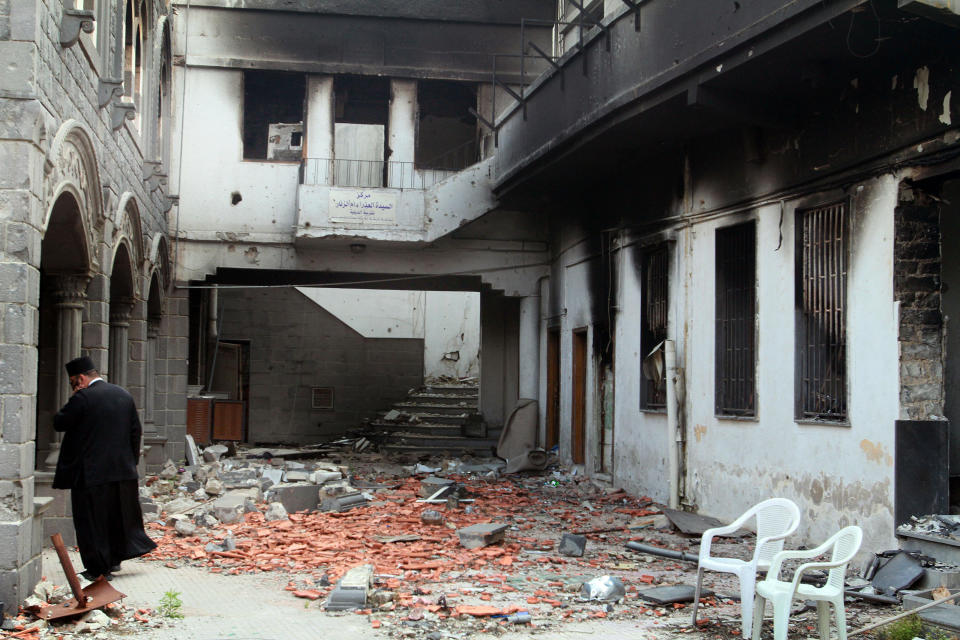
column 98, row 463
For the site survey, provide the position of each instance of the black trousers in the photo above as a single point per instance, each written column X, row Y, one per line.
column 109, row 525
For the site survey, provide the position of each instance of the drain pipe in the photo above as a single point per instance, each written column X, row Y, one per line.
column 673, row 432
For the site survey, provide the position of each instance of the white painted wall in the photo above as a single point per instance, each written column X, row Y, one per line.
column 839, row 475
column 214, row 168
column 447, row 321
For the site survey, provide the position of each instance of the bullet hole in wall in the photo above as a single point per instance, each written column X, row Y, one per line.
column 235, row 198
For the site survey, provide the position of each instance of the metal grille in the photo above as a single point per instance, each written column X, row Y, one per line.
column 321, row 398
column 821, row 302
column 735, row 320
column 655, row 320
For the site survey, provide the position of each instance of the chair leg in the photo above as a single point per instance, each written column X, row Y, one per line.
column 759, row 605
column 781, row 618
column 748, row 584
column 823, row 619
column 841, row 619
column 696, row 596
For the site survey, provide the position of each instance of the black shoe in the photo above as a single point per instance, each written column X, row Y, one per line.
column 87, row 575
column 115, row 568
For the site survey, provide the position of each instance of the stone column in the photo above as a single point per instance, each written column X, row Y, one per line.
column 150, row 379
column 70, row 294
column 529, row 342
column 120, row 311
column 402, row 128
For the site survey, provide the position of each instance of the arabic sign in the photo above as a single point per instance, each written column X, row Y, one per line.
column 359, row 207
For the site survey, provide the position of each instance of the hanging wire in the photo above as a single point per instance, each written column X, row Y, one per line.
column 853, row 18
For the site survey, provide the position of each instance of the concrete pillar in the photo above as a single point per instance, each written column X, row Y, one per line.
column 120, row 311
column 319, row 131
column 529, row 347
column 402, row 128
column 70, row 293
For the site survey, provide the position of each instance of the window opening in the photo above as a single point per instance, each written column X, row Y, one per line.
column 272, row 112
column 362, row 107
column 735, row 320
column 654, row 321
column 446, row 131
column 821, row 309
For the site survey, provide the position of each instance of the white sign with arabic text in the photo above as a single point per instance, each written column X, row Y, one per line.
column 360, row 207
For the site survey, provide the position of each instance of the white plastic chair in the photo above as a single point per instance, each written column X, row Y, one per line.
column 776, row 518
column 842, row 546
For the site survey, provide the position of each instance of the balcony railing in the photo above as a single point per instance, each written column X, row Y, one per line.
column 369, row 173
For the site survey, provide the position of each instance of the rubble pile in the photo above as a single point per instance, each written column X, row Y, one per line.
column 429, row 550
column 115, row 618
column 944, row 526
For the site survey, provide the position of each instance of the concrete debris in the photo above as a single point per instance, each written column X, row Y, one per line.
column 481, row 535
column 434, row 487
column 275, row 511
column 192, row 452
column 344, row 501
column 213, row 452
column 572, row 545
column 429, row 516
column 352, row 590
column 185, row 527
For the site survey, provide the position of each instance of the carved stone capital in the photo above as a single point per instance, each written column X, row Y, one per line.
column 120, row 311
column 108, row 89
column 70, row 289
column 120, row 111
column 153, row 327
column 72, row 22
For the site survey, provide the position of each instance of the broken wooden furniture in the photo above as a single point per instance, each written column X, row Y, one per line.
column 776, row 519
column 841, row 546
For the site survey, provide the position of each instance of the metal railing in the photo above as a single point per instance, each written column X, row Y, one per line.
column 369, row 173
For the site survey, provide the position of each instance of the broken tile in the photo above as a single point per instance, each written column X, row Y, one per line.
column 572, row 545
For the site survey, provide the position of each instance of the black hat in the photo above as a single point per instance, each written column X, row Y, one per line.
column 80, row 365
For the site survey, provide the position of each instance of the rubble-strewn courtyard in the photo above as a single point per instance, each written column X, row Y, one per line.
column 290, row 529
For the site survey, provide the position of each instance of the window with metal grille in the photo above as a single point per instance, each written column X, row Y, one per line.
column 735, row 338
column 321, row 398
column 821, row 294
column 654, row 321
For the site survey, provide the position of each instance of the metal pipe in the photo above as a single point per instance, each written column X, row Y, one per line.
column 673, row 436
column 666, row 553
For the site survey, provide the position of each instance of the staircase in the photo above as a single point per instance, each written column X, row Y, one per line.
column 437, row 419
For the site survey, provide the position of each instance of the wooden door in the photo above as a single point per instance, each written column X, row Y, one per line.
column 553, row 387
column 578, row 413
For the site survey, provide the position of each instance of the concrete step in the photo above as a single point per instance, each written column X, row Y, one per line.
column 462, row 392
column 442, row 398
column 430, row 428
column 434, row 408
column 426, row 416
column 439, row 446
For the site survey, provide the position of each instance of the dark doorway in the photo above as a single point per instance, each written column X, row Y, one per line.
column 578, row 413
column 553, row 388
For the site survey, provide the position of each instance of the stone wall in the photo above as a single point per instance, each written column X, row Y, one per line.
column 55, row 138
column 295, row 345
column 917, row 287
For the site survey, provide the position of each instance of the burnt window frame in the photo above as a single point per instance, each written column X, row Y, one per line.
column 653, row 398
column 244, row 81
column 836, row 318
column 735, row 320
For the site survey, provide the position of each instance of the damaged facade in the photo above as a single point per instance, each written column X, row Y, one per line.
column 85, row 98
column 715, row 259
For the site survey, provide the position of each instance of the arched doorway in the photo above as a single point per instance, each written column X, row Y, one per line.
column 64, row 276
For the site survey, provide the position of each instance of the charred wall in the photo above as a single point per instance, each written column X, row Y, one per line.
column 917, row 260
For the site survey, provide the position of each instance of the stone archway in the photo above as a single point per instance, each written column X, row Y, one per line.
column 122, row 300
column 64, row 276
